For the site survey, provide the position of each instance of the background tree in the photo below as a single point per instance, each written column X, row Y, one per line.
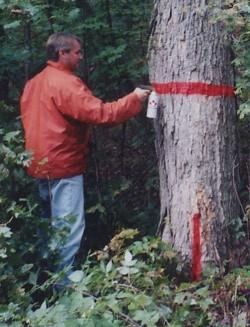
column 195, row 132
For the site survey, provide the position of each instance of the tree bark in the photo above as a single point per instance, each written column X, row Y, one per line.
column 195, row 133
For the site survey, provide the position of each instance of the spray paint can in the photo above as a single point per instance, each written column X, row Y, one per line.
column 152, row 105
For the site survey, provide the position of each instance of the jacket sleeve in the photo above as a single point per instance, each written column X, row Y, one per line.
column 77, row 101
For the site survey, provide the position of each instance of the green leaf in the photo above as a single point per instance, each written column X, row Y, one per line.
column 206, row 303
column 140, row 301
column 33, row 278
column 240, row 320
column 76, row 276
column 147, row 318
column 71, row 323
column 192, row 302
column 3, row 253
column 133, row 271
column 97, row 208
column 123, row 270
column 13, row 25
column 203, row 291
column 128, row 259
column 128, row 256
column 180, row 298
column 139, row 315
column 109, row 266
column 27, row 267
column 74, row 13
column 124, row 295
column 40, row 312
column 77, row 302
column 5, row 232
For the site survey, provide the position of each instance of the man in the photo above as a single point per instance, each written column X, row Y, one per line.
column 56, row 110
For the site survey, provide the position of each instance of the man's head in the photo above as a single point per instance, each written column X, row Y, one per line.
column 64, row 48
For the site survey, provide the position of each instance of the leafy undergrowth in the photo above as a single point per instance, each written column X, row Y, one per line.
column 134, row 282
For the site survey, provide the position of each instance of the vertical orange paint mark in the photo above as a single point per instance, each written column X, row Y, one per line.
column 196, row 247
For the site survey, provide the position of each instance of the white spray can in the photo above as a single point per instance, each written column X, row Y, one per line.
column 152, row 105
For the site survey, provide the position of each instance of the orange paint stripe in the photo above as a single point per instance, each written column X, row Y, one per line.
column 189, row 88
column 196, row 247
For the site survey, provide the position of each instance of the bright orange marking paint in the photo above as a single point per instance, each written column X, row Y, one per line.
column 189, row 88
column 196, row 247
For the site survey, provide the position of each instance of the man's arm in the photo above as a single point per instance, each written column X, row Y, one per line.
column 80, row 104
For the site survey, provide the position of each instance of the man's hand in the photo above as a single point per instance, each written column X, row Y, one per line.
column 142, row 94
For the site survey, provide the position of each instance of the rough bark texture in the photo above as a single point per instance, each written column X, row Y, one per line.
column 195, row 134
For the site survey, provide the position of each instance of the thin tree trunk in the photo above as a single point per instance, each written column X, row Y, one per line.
column 49, row 13
column 195, row 133
column 4, row 80
column 27, row 43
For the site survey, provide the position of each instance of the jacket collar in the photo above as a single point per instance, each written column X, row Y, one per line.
column 59, row 66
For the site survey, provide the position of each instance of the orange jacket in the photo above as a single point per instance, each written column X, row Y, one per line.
column 56, row 110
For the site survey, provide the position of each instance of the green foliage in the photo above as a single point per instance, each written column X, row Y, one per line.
column 16, row 210
column 236, row 16
column 237, row 228
column 21, row 265
column 132, row 282
column 114, row 38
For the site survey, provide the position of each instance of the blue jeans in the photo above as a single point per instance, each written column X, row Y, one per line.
column 63, row 202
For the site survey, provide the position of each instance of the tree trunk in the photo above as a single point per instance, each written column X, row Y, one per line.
column 195, row 127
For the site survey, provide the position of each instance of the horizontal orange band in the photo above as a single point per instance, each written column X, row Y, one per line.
column 189, row 88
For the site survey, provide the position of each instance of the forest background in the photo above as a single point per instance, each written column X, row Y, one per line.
column 135, row 280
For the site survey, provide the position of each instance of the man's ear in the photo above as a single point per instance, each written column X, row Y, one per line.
column 61, row 52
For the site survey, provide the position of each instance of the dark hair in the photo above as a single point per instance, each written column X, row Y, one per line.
column 59, row 41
